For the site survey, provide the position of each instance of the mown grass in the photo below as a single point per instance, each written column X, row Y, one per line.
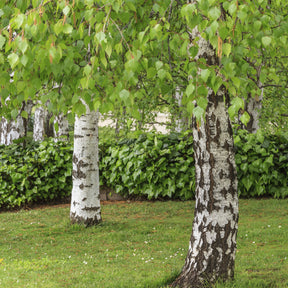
column 139, row 244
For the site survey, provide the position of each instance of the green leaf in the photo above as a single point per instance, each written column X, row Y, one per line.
column 158, row 64
column 266, row 41
column 188, row 10
column 161, row 74
column 100, row 36
column 67, row 28
column 124, row 95
column 198, row 112
column 214, row 13
column 18, row 21
column 226, row 49
column 190, row 89
column 87, row 70
column 13, row 60
column 232, row 8
column 66, row 10
column 23, row 46
column 202, row 102
column 108, row 50
column 245, row 118
column 236, row 104
column 205, row 73
column 2, row 41
column 58, row 27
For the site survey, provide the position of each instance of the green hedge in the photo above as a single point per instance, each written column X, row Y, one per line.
column 36, row 173
column 155, row 166
column 152, row 165
column 262, row 164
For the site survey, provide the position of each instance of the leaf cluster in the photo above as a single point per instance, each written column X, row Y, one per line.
column 155, row 166
column 262, row 164
column 36, row 173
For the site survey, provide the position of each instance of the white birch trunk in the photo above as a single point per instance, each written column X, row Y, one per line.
column 62, row 133
column 180, row 121
column 13, row 130
column 3, row 131
column 85, row 201
column 253, row 107
column 212, row 247
column 39, row 124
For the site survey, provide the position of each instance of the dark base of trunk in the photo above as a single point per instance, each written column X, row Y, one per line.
column 192, row 281
column 84, row 221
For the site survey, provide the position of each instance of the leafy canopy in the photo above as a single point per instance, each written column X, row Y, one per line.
column 119, row 53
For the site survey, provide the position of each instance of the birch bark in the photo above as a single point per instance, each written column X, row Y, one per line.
column 212, row 247
column 12, row 130
column 62, row 134
column 39, row 124
column 180, row 121
column 253, row 107
column 85, row 201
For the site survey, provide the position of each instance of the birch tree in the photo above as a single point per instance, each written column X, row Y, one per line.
column 39, row 124
column 85, row 201
column 212, row 247
column 115, row 53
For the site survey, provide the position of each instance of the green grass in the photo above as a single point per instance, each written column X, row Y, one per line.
column 139, row 244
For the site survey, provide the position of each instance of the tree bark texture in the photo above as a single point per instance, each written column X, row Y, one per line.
column 12, row 130
column 180, row 123
column 85, row 201
column 63, row 128
column 39, row 124
column 212, row 247
column 253, row 107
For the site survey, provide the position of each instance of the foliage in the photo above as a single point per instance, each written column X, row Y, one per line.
column 262, row 164
column 149, row 239
column 39, row 172
column 152, row 165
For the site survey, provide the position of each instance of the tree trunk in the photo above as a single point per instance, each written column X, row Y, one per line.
column 13, row 130
column 180, row 123
column 62, row 133
column 3, row 131
column 212, row 247
column 85, row 202
column 39, row 124
column 253, row 107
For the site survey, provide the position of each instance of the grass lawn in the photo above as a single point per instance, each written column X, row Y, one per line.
column 139, row 244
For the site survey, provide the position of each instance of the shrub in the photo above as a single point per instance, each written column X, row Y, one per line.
column 153, row 165
column 262, row 164
column 40, row 172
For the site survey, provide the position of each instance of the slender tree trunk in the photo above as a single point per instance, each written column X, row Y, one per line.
column 28, row 108
column 62, row 133
column 253, row 107
column 212, row 247
column 39, row 124
column 3, row 131
column 12, row 130
column 179, row 119
column 85, row 202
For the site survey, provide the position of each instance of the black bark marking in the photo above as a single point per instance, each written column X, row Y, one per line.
column 75, row 219
column 91, row 208
column 78, row 174
column 78, row 136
